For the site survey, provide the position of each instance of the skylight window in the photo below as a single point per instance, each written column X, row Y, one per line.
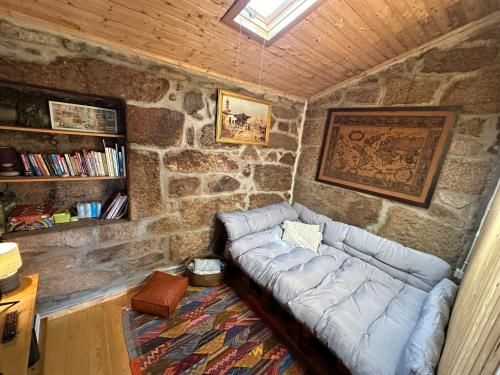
column 266, row 7
column 267, row 19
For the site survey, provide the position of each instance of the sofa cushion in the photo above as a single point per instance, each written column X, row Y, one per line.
column 352, row 311
column 423, row 349
column 306, row 275
column 260, row 263
column 239, row 224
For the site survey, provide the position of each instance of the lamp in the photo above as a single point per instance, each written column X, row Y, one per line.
column 8, row 162
column 10, row 262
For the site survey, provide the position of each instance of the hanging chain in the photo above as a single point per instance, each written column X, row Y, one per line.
column 261, row 61
column 237, row 58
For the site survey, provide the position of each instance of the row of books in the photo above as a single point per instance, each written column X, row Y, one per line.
column 117, row 207
column 111, row 162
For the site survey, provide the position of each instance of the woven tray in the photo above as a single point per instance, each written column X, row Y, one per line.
column 203, row 280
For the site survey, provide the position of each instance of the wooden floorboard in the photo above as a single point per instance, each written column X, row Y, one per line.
column 86, row 342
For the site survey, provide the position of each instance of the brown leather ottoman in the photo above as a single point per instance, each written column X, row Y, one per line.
column 160, row 295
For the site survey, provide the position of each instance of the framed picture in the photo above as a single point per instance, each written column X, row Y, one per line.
column 395, row 153
column 242, row 119
column 84, row 118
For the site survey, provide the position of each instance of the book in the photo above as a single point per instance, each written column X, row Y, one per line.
column 28, row 171
column 116, row 208
column 74, row 166
column 110, row 205
column 95, row 159
column 109, row 162
column 101, row 163
column 114, row 161
column 117, row 161
column 55, row 164
column 122, row 212
column 41, row 164
column 94, row 163
column 104, row 164
column 88, row 162
column 108, row 158
column 34, row 165
column 124, row 163
column 68, row 163
column 81, row 164
column 64, row 167
column 48, row 163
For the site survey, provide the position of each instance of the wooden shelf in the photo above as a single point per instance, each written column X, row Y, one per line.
column 57, row 131
column 62, row 227
column 56, row 178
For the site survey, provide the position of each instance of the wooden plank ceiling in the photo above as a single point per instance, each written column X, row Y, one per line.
column 338, row 40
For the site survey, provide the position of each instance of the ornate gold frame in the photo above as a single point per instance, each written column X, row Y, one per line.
column 220, row 104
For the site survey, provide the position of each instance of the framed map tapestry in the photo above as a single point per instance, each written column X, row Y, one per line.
column 395, row 153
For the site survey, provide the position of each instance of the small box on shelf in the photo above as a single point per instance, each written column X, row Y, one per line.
column 62, row 216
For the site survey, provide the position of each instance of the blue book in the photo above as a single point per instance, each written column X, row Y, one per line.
column 120, row 164
column 55, row 164
column 33, row 163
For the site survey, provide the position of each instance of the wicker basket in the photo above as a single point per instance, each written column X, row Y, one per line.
column 203, row 280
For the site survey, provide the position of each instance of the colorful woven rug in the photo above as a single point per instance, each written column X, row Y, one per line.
column 212, row 332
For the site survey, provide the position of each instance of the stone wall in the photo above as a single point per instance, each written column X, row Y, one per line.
column 178, row 175
column 463, row 70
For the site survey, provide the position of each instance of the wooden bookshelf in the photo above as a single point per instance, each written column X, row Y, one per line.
column 57, row 178
column 27, row 139
column 57, row 131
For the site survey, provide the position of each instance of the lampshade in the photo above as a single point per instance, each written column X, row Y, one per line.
column 10, row 259
column 8, row 155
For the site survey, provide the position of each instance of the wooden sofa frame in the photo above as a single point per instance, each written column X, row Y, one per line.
column 299, row 339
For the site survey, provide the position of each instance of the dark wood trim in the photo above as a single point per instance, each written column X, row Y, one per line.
column 428, row 199
column 238, row 5
column 317, row 358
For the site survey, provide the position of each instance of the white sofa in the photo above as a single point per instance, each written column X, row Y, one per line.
column 382, row 308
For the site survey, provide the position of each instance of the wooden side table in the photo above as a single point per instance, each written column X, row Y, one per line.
column 14, row 355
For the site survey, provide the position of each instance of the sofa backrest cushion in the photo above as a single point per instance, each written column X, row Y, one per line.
column 250, row 241
column 239, row 224
column 309, row 217
column 416, row 268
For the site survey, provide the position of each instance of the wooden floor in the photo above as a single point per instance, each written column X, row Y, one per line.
column 86, row 342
